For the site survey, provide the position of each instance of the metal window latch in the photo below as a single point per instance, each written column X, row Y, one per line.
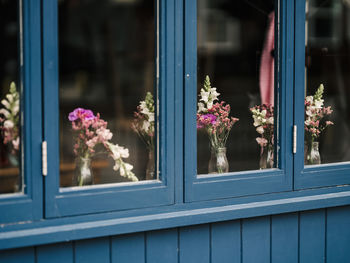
column 44, row 157
column 294, row 139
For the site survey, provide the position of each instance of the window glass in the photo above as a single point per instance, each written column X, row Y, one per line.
column 10, row 130
column 107, row 89
column 327, row 82
column 236, row 90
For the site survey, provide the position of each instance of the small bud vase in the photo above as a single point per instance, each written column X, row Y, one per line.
column 266, row 157
column 83, row 174
column 150, row 169
column 311, row 153
column 218, row 161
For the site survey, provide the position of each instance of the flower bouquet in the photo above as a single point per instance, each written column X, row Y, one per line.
column 263, row 116
column 91, row 131
column 214, row 118
column 315, row 122
column 9, row 123
column 143, row 125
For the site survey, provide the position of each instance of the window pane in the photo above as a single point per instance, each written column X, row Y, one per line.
column 107, row 76
column 327, row 82
column 10, row 177
column 235, row 41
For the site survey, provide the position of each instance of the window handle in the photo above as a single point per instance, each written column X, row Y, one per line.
column 44, row 157
column 294, row 139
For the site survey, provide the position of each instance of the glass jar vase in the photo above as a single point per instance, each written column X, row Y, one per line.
column 83, row 173
column 311, row 153
column 218, row 161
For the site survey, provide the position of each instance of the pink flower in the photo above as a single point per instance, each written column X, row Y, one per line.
column 80, row 113
column 261, row 141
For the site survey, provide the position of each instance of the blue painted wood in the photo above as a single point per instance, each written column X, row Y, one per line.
column 249, row 182
column 55, row 253
column 195, row 244
column 338, row 235
column 22, row 255
column 179, row 100
column 92, row 251
column 128, row 248
column 284, row 238
column 312, row 236
column 65, row 229
column 28, row 206
column 66, row 202
column 162, row 246
column 226, row 242
column 256, row 240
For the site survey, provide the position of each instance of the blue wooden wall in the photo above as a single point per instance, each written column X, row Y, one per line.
column 305, row 237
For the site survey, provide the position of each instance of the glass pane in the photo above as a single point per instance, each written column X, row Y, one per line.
column 235, row 42
column 327, row 89
column 10, row 177
column 107, row 88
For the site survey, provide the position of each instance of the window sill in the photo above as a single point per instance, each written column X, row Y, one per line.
column 92, row 226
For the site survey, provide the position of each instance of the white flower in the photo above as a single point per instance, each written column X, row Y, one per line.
column 9, row 98
column 9, row 124
column 116, row 166
column 145, row 126
column 6, row 104
column 214, row 94
column 260, row 130
column 104, row 134
column 263, row 113
column 201, row 107
column 125, row 169
column 209, row 104
column 15, row 109
column 309, row 99
column 318, row 104
column 270, row 120
column 204, row 95
column 151, row 117
column 118, row 151
column 5, row 113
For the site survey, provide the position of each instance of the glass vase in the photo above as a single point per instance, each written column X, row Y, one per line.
column 218, row 161
column 312, row 153
column 83, row 173
column 266, row 157
column 150, row 168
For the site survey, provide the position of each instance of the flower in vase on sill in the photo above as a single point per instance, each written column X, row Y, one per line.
column 316, row 115
column 9, row 119
column 214, row 117
column 144, row 120
column 91, row 131
column 263, row 116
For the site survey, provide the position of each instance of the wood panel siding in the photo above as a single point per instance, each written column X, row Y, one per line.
column 313, row 236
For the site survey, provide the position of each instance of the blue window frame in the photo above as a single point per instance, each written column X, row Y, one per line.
column 28, row 204
column 179, row 186
column 317, row 175
column 66, row 202
column 249, row 182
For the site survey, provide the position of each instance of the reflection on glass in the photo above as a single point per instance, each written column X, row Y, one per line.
column 235, row 120
column 107, row 71
column 10, row 177
column 327, row 82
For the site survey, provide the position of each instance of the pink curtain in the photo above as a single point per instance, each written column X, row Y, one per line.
column 267, row 64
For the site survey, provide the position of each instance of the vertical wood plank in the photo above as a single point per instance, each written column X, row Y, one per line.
column 338, row 235
column 312, row 237
column 92, row 251
column 226, row 242
column 256, row 240
column 162, row 246
column 195, row 244
column 63, row 252
column 284, row 238
column 128, row 248
column 22, row 255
